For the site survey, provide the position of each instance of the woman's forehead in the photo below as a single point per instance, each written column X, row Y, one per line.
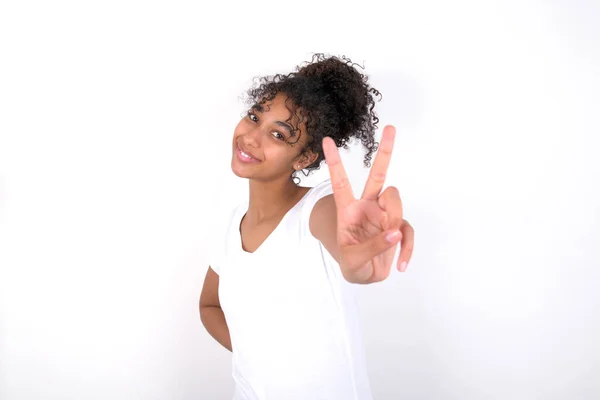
column 281, row 104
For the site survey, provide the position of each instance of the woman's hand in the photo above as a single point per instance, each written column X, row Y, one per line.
column 370, row 228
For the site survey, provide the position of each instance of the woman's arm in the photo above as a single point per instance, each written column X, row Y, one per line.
column 323, row 224
column 211, row 313
column 363, row 234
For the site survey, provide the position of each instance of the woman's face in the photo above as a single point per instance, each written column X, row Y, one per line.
column 264, row 144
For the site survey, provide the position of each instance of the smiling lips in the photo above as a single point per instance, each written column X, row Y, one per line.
column 245, row 157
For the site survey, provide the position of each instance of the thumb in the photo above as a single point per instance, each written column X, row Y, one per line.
column 365, row 251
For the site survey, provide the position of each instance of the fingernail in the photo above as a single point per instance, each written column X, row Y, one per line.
column 392, row 236
column 403, row 266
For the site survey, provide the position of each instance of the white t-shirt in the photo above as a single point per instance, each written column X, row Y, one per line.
column 292, row 316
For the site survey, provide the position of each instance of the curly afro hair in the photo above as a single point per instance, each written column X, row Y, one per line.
column 331, row 97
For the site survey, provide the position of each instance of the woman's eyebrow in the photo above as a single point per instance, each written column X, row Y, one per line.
column 286, row 126
column 292, row 132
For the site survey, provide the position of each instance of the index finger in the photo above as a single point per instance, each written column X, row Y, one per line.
column 380, row 165
column 342, row 191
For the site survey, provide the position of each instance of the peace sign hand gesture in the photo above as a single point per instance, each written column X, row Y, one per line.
column 370, row 228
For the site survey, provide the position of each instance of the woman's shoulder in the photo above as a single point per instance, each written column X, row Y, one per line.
column 320, row 190
column 222, row 216
column 315, row 194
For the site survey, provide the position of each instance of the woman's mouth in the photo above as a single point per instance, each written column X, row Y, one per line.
column 245, row 158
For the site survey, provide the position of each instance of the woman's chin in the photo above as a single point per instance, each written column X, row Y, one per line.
column 238, row 174
column 238, row 169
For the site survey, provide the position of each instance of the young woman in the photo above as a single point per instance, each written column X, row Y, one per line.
column 279, row 289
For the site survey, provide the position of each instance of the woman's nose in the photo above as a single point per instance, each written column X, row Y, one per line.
column 253, row 137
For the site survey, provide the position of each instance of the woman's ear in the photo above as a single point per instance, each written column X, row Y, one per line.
column 306, row 159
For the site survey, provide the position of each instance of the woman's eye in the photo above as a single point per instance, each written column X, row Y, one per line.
column 278, row 135
column 253, row 117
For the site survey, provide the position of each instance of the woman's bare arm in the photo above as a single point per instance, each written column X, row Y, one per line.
column 211, row 314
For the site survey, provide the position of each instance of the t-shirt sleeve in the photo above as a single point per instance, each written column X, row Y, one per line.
column 317, row 193
column 213, row 247
column 214, row 258
column 216, row 239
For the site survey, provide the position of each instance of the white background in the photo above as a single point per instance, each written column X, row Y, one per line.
column 116, row 120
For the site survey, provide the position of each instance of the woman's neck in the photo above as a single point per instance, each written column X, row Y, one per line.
column 273, row 198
